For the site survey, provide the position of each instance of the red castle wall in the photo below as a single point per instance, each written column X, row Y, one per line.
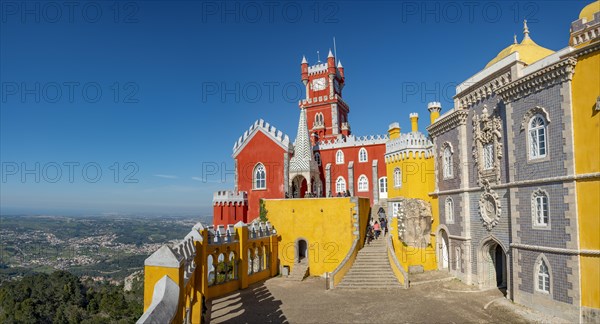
column 263, row 149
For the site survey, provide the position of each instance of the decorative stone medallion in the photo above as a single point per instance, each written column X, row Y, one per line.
column 489, row 207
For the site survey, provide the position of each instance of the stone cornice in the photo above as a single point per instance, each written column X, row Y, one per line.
column 451, row 121
column 554, row 74
column 484, row 88
column 590, row 48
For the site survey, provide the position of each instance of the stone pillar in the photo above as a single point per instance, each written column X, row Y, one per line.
column 375, row 183
column 351, row 177
column 328, row 180
column 335, row 127
column 242, row 233
column 274, row 254
column 286, row 174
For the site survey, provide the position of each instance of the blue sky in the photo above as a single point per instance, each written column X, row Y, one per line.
column 133, row 107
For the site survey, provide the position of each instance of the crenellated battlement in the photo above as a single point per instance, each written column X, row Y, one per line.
column 230, row 197
column 269, row 130
column 321, row 99
column 350, row 141
column 413, row 144
column 317, row 68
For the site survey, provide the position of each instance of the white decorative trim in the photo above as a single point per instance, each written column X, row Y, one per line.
column 260, row 125
column 408, row 145
column 595, row 175
column 226, row 197
column 351, row 141
column 537, row 193
column 537, row 110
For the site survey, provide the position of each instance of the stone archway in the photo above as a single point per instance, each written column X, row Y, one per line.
column 492, row 265
column 443, row 251
column 299, row 187
column 301, row 250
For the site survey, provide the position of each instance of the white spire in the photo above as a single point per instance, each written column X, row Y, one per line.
column 525, row 30
column 339, row 64
column 304, row 60
column 330, row 54
column 301, row 161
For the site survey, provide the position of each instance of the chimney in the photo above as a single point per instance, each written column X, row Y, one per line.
column 414, row 122
column 394, row 130
column 434, row 110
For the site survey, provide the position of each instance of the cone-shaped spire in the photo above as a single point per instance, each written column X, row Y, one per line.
column 302, row 148
column 304, row 60
column 330, row 54
column 525, row 30
column 340, row 64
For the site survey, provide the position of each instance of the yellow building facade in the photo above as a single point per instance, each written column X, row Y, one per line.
column 586, row 132
column 411, row 175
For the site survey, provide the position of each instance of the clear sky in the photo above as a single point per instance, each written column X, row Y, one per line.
column 134, row 106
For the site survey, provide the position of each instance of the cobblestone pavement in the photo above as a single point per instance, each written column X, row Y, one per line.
column 280, row 301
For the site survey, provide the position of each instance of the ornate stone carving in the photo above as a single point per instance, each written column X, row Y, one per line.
column 490, row 208
column 414, row 222
column 448, row 122
column 487, row 130
column 556, row 73
column 532, row 112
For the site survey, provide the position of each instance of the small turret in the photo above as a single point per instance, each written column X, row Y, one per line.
column 434, row 110
column 394, row 130
column 340, row 68
column 304, row 69
column 330, row 63
column 414, row 122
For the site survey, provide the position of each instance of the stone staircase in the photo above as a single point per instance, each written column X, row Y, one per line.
column 299, row 271
column 371, row 269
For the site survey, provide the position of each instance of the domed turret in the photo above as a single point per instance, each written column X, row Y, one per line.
column 528, row 50
column 588, row 11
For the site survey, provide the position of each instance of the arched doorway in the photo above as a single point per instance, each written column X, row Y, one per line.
column 301, row 250
column 443, row 254
column 299, row 187
column 493, row 267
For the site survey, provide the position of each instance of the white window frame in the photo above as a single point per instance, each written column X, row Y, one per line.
column 535, row 135
column 488, row 156
column 363, row 155
column 383, row 185
column 395, row 209
column 449, row 210
column 340, row 185
column 258, row 183
column 397, row 178
column 318, row 158
column 363, row 183
column 339, row 157
column 543, row 279
column 540, row 213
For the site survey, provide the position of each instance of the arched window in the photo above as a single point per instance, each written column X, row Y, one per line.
column 488, row 156
column 449, row 210
column 448, row 163
column 319, row 119
column 318, row 158
column 397, row 178
column 362, row 155
column 383, row 185
column 539, row 208
column 537, row 137
column 340, row 185
column 339, row 157
column 363, row 183
column 543, row 277
column 260, row 177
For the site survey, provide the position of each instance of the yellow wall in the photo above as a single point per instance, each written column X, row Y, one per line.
column 586, row 88
column 418, row 180
column 327, row 224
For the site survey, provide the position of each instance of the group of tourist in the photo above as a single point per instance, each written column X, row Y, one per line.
column 375, row 229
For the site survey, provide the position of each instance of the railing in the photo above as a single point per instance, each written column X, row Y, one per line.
column 207, row 263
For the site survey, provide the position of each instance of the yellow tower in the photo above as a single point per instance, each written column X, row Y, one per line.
column 411, row 177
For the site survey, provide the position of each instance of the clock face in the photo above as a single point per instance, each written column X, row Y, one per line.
column 319, row 84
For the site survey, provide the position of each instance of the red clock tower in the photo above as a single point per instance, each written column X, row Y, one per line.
column 326, row 112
